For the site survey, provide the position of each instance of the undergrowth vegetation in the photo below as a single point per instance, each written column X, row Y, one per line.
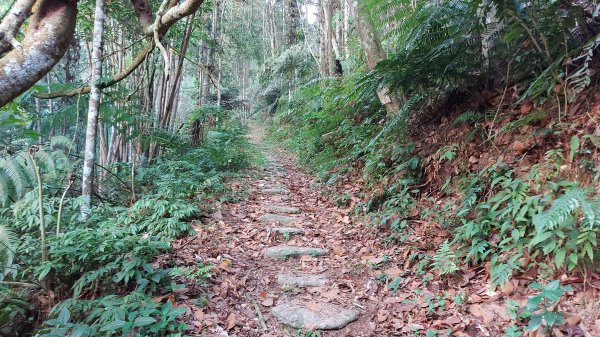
column 102, row 274
column 488, row 142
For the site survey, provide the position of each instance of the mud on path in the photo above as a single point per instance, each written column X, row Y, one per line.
column 288, row 260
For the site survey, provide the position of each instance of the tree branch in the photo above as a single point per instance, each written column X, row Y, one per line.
column 48, row 36
column 139, row 59
column 12, row 22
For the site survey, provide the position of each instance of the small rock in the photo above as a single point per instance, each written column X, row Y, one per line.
column 288, row 230
column 282, row 219
column 283, row 209
column 328, row 317
column 282, row 252
column 301, row 280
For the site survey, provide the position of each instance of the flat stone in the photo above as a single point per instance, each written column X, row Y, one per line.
column 275, row 190
column 283, row 209
column 279, row 197
column 282, row 252
column 288, row 230
column 301, row 280
column 282, row 219
column 322, row 316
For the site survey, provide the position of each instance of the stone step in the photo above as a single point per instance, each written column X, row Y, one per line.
column 283, row 209
column 306, row 280
column 275, row 190
column 320, row 316
column 282, row 252
column 280, row 198
column 288, row 230
column 282, row 219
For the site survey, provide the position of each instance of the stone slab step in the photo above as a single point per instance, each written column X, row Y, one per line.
column 275, row 190
column 280, row 198
column 282, row 252
column 301, row 280
column 288, row 230
column 282, row 219
column 283, row 209
column 320, row 316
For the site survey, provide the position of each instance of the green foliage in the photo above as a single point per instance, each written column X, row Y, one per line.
column 501, row 216
column 444, row 259
column 8, row 247
column 568, row 229
column 112, row 254
column 438, row 46
column 133, row 314
column 17, row 175
column 541, row 308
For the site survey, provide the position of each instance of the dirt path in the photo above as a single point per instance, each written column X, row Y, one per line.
column 289, row 260
column 284, row 254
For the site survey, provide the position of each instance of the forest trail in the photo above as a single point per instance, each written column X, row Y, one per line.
column 285, row 254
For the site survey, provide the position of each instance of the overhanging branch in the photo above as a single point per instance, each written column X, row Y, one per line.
column 137, row 61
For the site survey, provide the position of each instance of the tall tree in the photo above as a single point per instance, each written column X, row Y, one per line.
column 49, row 33
column 94, row 104
column 293, row 22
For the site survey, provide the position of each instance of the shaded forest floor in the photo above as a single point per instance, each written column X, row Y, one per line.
column 389, row 285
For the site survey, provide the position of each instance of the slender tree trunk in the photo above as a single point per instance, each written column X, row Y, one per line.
column 371, row 45
column 94, row 104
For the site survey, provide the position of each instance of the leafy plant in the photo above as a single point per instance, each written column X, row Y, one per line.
column 541, row 308
column 444, row 259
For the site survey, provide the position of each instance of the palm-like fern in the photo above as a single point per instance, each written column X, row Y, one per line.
column 437, row 46
column 563, row 208
column 8, row 246
column 17, row 173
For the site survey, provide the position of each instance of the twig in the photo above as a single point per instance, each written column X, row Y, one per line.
column 261, row 319
column 21, row 284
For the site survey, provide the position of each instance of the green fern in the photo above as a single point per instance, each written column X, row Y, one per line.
column 444, row 259
column 501, row 272
column 563, row 208
column 8, row 246
column 18, row 176
column 469, row 118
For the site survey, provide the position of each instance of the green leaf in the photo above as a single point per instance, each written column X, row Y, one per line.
column 534, row 323
column 81, row 331
column 573, row 258
column 114, row 325
column 533, row 303
column 554, row 285
column 63, row 316
column 143, row 321
column 559, row 258
column 574, row 147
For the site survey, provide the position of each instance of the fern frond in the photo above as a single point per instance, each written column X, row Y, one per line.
column 444, row 259
column 562, row 209
column 61, row 142
column 8, row 246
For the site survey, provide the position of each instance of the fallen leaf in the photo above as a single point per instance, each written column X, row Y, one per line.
column 268, row 302
column 453, row 320
column 231, row 321
column 337, row 250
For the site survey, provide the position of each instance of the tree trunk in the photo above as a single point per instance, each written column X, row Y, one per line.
column 293, row 19
column 94, row 104
column 371, row 45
